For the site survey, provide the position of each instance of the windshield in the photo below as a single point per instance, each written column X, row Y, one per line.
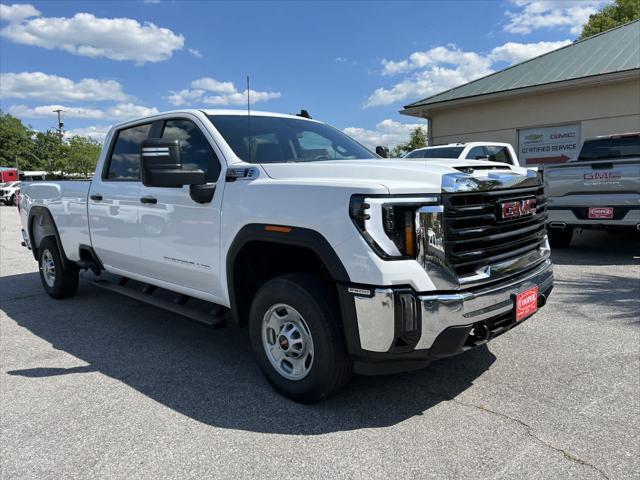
column 621, row 147
column 442, row 152
column 261, row 139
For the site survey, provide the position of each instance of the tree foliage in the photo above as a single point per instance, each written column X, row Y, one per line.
column 15, row 143
column 83, row 154
column 617, row 13
column 26, row 149
column 417, row 139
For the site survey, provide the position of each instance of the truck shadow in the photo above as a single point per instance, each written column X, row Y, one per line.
column 210, row 375
column 603, row 296
column 592, row 247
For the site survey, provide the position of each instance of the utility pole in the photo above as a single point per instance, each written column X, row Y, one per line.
column 60, row 132
column 60, row 123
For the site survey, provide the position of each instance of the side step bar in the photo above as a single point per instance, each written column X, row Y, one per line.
column 175, row 307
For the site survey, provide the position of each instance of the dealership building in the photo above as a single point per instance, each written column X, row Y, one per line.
column 547, row 106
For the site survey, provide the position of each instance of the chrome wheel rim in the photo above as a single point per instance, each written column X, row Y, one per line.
column 48, row 268
column 287, row 341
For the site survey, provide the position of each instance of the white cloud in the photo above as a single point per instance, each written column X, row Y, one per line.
column 210, row 91
column 48, row 111
column 97, row 132
column 388, row 133
column 512, row 52
column 442, row 68
column 89, row 36
column 126, row 111
column 17, row 12
column 41, row 86
column 536, row 14
column 151, row 2
column 121, row 111
column 212, row 85
column 195, row 52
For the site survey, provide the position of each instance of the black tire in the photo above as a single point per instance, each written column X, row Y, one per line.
column 560, row 238
column 64, row 283
column 12, row 200
column 317, row 304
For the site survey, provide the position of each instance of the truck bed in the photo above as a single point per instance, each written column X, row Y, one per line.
column 67, row 202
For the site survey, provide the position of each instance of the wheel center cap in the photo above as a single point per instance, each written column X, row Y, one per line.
column 283, row 342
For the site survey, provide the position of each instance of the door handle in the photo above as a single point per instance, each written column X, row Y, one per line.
column 151, row 200
column 96, row 197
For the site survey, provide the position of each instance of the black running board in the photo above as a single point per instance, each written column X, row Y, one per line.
column 146, row 296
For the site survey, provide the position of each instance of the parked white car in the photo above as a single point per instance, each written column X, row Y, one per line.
column 337, row 260
column 492, row 151
column 8, row 192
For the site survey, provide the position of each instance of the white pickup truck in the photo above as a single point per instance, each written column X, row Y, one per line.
column 492, row 151
column 337, row 260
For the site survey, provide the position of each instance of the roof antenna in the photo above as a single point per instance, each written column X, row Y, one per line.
column 249, row 122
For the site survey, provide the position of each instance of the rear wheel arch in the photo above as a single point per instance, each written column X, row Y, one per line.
column 41, row 225
column 300, row 250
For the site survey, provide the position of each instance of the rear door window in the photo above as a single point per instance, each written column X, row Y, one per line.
column 124, row 163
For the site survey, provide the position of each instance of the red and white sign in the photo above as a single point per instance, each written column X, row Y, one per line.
column 526, row 303
column 598, row 213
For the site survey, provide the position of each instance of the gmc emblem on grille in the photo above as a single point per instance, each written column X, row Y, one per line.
column 519, row 208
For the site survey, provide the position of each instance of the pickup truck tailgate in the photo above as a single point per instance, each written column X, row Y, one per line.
column 601, row 177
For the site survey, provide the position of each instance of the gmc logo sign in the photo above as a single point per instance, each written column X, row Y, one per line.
column 518, row 208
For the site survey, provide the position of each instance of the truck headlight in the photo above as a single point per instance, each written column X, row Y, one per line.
column 388, row 223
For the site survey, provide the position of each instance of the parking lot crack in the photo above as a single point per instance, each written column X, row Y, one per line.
column 530, row 432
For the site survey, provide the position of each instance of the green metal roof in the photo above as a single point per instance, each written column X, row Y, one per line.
column 615, row 50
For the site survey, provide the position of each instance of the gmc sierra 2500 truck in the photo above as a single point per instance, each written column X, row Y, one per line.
column 337, row 260
column 600, row 190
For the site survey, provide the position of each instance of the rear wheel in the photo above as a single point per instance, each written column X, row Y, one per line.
column 296, row 337
column 560, row 238
column 58, row 281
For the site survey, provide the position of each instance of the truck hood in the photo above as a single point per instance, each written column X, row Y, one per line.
column 396, row 175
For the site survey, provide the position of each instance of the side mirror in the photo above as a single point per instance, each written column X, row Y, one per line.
column 382, row 151
column 161, row 165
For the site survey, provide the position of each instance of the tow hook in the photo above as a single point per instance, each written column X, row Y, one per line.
column 480, row 333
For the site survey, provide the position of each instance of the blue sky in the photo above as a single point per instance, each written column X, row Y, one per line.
column 352, row 64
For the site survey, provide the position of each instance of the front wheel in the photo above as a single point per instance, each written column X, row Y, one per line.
column 296, row 337
column 58, row 281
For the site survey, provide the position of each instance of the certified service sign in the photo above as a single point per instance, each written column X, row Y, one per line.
column 545, row 145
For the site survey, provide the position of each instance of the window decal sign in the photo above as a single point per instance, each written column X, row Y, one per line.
column 548, row 145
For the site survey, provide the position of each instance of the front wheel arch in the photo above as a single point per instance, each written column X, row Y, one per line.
column 307, row 243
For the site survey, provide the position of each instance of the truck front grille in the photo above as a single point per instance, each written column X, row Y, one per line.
column 476, row 235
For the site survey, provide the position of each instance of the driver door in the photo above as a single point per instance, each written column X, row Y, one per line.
column 179, row 241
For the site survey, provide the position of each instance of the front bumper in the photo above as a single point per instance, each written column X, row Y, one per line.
column 395, row 329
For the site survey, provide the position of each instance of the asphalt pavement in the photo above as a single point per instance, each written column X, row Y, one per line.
column 102, row 386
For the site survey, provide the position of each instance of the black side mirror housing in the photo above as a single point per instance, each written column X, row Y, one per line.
column 161, row 165
column 382, row 151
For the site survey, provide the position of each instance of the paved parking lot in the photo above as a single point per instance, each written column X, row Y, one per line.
column 103, row 386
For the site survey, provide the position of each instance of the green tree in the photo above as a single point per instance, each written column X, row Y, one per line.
column 16, row 147
column 82, row 155
column 617, row 13
column 417, row 139
column 51, row 152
